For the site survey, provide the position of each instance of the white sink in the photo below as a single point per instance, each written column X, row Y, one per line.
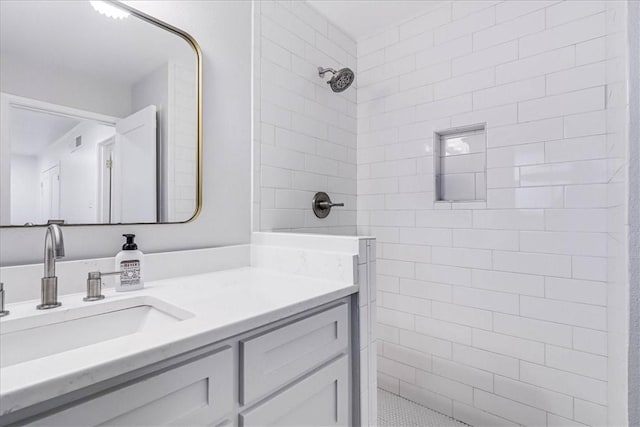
column 44, row 334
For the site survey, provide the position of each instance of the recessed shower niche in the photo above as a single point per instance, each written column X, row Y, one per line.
column 460, row 157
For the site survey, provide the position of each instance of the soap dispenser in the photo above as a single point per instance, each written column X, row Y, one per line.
column 130, row 264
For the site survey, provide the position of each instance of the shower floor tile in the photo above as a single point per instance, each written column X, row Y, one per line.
column 396, row 411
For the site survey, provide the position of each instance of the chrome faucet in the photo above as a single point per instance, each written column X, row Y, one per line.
column 53, row 250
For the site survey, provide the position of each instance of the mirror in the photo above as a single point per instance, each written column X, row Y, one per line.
column 99, row 115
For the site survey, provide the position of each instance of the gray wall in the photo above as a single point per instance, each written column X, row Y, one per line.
column 223, row 30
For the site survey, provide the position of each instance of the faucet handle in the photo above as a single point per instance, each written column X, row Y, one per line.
column 94, row 285
column 3, row 312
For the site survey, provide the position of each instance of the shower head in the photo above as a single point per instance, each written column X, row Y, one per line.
column 341, row 79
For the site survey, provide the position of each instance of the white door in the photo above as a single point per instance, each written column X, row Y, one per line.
column 134, row 191
column 50, row 194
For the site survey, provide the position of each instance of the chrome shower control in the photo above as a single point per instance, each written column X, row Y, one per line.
column 321, row 204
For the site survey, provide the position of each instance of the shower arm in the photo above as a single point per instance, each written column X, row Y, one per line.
column 322, row 71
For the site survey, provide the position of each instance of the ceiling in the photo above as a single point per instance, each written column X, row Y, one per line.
column 32, row 131
column 361, row 18
column 70, row 34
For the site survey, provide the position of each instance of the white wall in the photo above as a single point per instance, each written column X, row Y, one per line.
column 494, row 313
column 305, row 134
column 44, row 82
column 25, row 188
column 225, row 218
column 78, row 172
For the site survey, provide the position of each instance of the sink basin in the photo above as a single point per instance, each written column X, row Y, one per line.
column 33, row 337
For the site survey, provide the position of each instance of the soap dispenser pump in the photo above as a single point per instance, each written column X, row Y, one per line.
column 130, row 264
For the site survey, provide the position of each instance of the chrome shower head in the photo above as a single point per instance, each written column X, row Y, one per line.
column 341, row 79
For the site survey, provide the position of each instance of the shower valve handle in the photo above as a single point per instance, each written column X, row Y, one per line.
column 321, row 204
column 327, row 205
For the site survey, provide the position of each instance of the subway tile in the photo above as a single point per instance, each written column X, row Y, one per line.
column 531, row 329
column 503, row 177
column 589, row 268
column 462, row 257
column 405, row 304
column 522, row 284
column 509, row 219
column 487, row 300
column 444, row 108
column 462, row 373
column 515, row 155
column 526, row 133
column 443, row 330
column 407, row 356
column 428, row 398
column 378, row 41
column 508, row 93
column 564, row 12
column 590, row 413
column 563, row 35
column 534, row 66
column 396, row 268
column 396, row 370
column 509, row 409
column 558, row 421
column 427, row 290
column 588, row 365
column 525, row 198
column 567, row 243
column 486, row 58
column 444, row 51
column 586, row 196
column 590, row 341
column 495, row 116
column 536, row 397
column 585, row 124
column 486, row 360
column 441, row 385
column 477, row 417
column 509, row 30
column 510, row 346
column 425, row 344
column 470, row 24
column 591, row 51
column 575, row 149
column 464, row 84
column 486, row 239
column 508, row 10
column 569, row 313
column 443, row 274
column 564, row 382
column 395, row 318
column 388, row 383
column 388, row 333
column 425, row 76
column 462, row 315
column 408, row 46
column 532, row 263
column 583, row 291
column 426, row 236
column 406, row 252
column 425, row 22
column 462, row 8
column 565, row 104
column 576, row 78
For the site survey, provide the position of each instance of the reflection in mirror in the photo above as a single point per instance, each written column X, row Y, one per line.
column 99, row 116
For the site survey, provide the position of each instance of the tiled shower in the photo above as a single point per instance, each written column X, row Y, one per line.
column 483, row 144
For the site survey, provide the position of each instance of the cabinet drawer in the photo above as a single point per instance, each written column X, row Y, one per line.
column 321, row 399
column 277, row 357
column 197, row 393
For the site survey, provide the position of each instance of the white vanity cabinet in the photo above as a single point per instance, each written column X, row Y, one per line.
column 294, row 372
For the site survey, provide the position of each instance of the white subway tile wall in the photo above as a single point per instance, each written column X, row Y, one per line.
column 304, row 134
column 494, row 313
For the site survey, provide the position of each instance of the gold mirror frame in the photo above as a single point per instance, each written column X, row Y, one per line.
column 196, row 49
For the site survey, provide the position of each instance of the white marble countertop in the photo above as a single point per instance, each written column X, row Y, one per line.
column 223, row 304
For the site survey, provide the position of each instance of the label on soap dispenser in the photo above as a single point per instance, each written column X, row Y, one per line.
column 130, row 272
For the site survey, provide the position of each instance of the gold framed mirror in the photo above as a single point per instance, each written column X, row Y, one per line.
column 100, row 116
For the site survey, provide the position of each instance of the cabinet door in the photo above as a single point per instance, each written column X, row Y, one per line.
column 198, row 393
column 278, row 357
column 320, row 399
